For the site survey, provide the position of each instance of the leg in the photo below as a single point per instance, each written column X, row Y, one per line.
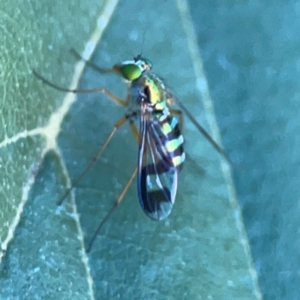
column 204, row 132
column 120, row 198
column 116, row 127
column 106, row 92
column 171, row 101
column 134, row 131
column 114, row 69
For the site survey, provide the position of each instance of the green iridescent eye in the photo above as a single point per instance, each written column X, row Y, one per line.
column 131, row 72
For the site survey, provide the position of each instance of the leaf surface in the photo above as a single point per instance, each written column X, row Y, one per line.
column 199, row 252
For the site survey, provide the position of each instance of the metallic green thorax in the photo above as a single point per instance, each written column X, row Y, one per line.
column 157, row 91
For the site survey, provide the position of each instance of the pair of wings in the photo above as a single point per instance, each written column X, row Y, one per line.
column 157, row 177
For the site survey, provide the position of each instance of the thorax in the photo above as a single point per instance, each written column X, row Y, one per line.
column 149, row 90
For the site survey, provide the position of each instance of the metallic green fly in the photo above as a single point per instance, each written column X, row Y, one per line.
column 161, row 154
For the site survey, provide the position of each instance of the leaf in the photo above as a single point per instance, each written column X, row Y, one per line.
column 251, row 56
column 200, row 251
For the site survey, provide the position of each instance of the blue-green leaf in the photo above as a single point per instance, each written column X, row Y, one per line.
column 199, row 252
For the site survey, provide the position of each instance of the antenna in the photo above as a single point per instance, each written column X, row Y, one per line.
column 138, row 57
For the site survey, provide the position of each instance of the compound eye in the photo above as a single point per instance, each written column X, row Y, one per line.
column 130, row 71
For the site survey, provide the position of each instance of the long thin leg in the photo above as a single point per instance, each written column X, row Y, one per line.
column 95, row 158
column 106, row 92
column 204, row 132
column 120, row 198
column 134, row 130
column 114, row 69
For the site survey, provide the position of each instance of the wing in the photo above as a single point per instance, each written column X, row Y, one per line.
column 157, row 177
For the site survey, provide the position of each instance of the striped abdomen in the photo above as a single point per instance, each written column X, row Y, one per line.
column 171, row 140
column 161, row 158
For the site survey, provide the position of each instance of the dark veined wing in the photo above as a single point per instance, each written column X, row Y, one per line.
column 157, row 177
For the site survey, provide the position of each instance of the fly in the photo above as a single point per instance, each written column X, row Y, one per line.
column 161, row 153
